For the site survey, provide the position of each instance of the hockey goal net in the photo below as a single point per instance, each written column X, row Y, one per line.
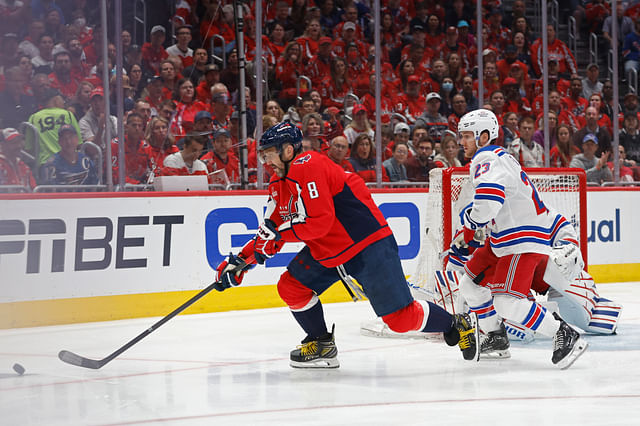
column 450, row 190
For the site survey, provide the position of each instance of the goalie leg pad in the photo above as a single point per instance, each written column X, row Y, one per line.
column 579, row 302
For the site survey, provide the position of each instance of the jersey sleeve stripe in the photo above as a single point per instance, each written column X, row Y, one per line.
column 491, row 185
column 490, row 191
column 489, row 197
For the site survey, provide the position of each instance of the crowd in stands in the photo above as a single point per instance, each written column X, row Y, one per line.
column 181, row 107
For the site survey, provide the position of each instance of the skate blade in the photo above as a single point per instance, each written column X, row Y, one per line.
column 578, row 349
column 504, row 354
column 387, row 333
column 319, row 363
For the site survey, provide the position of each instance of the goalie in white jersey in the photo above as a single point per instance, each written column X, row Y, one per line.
column 521, row 234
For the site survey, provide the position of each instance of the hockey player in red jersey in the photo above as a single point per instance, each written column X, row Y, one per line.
column 313, row 200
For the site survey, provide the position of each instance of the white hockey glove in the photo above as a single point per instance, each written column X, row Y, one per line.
column 568, row 259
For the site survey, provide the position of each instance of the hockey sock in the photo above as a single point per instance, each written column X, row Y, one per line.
column 487, row 318
column 312, row 320
column 480, row 301
column 530, row 314
column 437, row 319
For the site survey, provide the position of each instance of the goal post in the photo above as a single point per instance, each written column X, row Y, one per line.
column 563, row 189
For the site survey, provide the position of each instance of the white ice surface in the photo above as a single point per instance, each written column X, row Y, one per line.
column 232, row 368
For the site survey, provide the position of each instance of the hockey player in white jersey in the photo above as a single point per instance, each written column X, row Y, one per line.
column 521, row 234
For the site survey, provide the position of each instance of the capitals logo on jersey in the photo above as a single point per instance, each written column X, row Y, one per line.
column 303, row 159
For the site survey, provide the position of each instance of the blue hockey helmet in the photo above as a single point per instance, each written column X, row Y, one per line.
column 280, row 134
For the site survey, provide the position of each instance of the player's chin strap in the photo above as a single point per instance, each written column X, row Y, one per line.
column 354, row 290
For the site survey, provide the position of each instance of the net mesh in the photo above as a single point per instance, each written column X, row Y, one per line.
column 558, row 189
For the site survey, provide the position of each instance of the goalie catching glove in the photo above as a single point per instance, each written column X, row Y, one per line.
column 267, row 241
column 567, row 257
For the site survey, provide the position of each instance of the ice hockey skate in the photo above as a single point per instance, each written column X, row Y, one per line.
column 317, row 353
column 466, row 326
column 495, row 344
column 567, row 345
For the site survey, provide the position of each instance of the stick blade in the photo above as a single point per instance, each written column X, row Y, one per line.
column 77, row 360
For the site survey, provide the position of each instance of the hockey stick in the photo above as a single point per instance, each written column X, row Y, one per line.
column 80, row 361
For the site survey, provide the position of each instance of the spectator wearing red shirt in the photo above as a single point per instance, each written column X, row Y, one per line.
column 595, row 100
column 289, row 67
column 350, row 15
column 211, row 77
column 561, row 154
column 186, row 107
column 348, row 36
column 411, row 103
column 335, row 87
column 491, row 81
column 369, row 100
column 222, row 157
column 575, row 103
column 459, row 109
column 160, row 143
column 513, row 101
column 319, row 65
column 510, row 57
column 61, row 78
column 390, row 37
column 451, row 44
column 338, row 152
column 79, row 67
column 455, row 70
column 556, row 50
column 13, row 171
column 181, row 47
column 555, row 81
column 420, row 56
column 499, row 36
column 309, row 41
column 434, row 36
column 152, row 52
column 399, row 13
column 169, row 78
column 135, row 148
column 358, row 68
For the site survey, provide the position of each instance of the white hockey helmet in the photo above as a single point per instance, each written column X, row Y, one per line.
column 479, row 121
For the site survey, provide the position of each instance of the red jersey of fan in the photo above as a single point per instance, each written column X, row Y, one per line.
column 317, row 69
column 136, row 161
column 558, row 51
column 156, row 156
column 17, row 173
column 328, row 209
column 576, row 107
column 152, row 56
column 231, row 166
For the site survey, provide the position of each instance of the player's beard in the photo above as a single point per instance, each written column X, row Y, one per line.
column 280, row 171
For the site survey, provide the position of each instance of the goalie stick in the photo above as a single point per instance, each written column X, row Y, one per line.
column 80, row 361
